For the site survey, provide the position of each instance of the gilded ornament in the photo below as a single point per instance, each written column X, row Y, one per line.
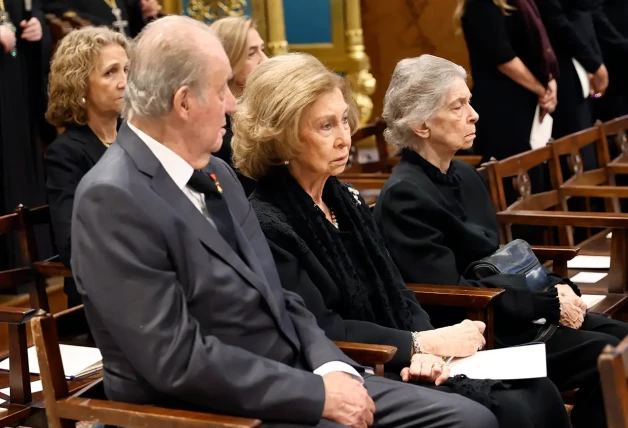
column 211, row 10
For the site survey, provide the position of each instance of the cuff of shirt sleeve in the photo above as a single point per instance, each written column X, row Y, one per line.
column 338, row 366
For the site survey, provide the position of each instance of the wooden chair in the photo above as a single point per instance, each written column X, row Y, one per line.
column 548, row 208
column 84, row 405
column 617, row 129
column 613, row 366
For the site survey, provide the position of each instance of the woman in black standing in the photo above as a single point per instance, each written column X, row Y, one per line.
column 571, row 30
column 21, row 171
column 513, row 69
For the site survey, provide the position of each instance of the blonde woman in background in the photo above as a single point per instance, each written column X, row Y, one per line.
column 245, row 49
column 86, row 86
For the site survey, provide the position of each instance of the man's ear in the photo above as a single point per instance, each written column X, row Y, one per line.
column 181, row 101
column 422, row 130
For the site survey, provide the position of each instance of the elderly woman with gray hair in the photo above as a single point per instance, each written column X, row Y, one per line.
column 292, row 133
column 436, row 217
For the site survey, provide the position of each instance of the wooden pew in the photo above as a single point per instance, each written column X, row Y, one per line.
column 549, row 209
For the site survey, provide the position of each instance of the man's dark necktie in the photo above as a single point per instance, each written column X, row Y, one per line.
column 216, row 205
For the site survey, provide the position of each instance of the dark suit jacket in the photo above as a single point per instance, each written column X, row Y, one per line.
column 179, row 317
column 67, row 160
column 569, row 24
column 434, row 229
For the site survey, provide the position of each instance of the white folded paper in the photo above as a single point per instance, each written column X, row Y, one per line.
column 588, row 277
column 589, row 262
column 78, row 361
column 519, row 362
column 541, row 132
column 583, row 76
column 36, row 386
column 592, row 299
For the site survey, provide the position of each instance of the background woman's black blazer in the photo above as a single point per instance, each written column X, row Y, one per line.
column 67, row 160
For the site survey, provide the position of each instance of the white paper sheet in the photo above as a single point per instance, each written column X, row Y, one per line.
column 75, row 359
column 36, row 386
column 541, row 132
column 588, row 277
column 520, row 362
column 592, row 299
column 589, row 262
column 583, row 76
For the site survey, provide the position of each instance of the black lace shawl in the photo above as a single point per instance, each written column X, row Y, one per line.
column 366, row 277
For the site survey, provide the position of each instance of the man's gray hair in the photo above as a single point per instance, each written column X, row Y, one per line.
column 168, row 54
column 418, row 88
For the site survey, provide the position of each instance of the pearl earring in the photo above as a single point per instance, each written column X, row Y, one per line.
column 286, row 162
column 83, row 100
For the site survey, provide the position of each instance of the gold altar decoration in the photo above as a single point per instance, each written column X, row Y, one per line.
column 211, row 10
column 346, row 53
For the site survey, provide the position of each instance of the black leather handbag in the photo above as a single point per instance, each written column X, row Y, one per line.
column 516, row 257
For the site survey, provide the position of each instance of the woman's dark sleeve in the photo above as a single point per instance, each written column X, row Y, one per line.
column 413, row 236
column 64, row 170
column 563, row 34
column 295, row 278
column 484, row 27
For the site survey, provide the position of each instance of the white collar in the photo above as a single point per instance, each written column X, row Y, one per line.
column 178, row 169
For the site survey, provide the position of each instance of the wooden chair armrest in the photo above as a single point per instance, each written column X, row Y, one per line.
column 451, row 295
column 368, row 355
column 617, row 168
column 592, row 191
column 563, row 254
column 52, row 268
column 9, row 278
column 564, row 218
column 133, row 415
column 13, row 315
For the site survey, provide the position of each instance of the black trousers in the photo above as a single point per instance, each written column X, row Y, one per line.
column 572, row 363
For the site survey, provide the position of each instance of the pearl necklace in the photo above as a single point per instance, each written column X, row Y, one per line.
column 333, row 219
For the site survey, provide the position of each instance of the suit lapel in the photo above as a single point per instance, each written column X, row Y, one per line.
column 94, row 148
column 165, row 187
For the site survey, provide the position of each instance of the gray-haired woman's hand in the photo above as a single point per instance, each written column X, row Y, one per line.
column 460, row 340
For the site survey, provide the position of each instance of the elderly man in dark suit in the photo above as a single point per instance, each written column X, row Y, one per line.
column 179, row 285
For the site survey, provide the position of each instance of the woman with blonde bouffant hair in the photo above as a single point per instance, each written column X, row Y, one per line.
column 292, row 133
column 245, row 50
column 86, row 88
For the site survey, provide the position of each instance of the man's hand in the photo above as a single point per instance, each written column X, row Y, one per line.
column 150, row 8
column 7, row 38
column 31, row 30
column 426, row 367
column 346, row 401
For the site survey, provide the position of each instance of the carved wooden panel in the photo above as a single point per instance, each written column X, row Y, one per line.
column 394, row 30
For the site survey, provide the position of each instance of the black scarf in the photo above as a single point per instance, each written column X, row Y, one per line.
column 369, row 286
column 538, row 39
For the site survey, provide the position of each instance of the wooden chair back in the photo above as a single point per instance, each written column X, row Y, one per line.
column 617, row 130
column 613, row 366
column 586, row 184
column 63, row 408
column 22, row 223
column 515, row 170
